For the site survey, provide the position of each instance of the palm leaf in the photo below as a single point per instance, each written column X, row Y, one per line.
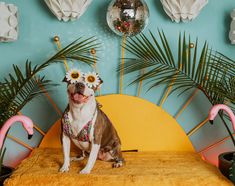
column 19, row 88
column 158, row 55
column 188, row 71
column 225, row 62
column 78, row 50
column 225, row 86
column 212, row 73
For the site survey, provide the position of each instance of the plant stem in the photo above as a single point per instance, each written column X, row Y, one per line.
column 226, row 126
column 2, row 153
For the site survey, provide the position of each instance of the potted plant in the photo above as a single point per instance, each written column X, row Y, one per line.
column 209, row 71
column 22, row 86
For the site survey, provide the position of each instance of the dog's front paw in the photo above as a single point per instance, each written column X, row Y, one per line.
column 64, row 168
column 85, row 171
column 118, row 164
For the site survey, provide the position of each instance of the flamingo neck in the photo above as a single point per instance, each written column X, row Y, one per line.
column 230, row 113
column 7, row 125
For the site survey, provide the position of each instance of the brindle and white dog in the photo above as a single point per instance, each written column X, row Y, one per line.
column 87, row 126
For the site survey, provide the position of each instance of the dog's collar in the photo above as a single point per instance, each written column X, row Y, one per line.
column 83, row 135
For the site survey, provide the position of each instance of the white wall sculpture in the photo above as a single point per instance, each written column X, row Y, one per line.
column 183, row 10
column 232, row 28
column 66, row 10
column 8, row 22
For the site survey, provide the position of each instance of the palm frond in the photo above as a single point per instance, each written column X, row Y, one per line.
column 156, row 57
column 224, row 61
column 189, row 67
column 224, row 86
column 19, row 88
column 77, row 50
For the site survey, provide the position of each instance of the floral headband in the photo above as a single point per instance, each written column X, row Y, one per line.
column 74, row 75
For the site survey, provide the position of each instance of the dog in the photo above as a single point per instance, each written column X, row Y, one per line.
column 86, row 125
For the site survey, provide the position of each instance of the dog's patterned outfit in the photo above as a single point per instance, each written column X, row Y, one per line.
column 83, row 134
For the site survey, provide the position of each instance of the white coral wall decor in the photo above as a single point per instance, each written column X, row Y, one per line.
column 66, row 10
column 232, row 28
column 183, row 10
column 8, row 22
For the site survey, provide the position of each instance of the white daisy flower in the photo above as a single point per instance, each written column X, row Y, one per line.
column 74, row 75
column 92, row 79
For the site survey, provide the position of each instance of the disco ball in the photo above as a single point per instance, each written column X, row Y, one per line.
column 127, row 17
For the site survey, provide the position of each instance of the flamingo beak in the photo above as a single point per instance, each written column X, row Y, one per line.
column 211, row 122
column 30, row 136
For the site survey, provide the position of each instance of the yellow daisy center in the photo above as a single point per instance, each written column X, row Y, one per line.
column 91, row 79
column 75, row 75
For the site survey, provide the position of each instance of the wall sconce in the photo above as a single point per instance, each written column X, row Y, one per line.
column 183, row 10
column 232, row 28
column 66, row 10
column 8, row 22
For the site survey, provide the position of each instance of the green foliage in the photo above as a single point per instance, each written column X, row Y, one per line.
column 204, row 69
column 20, row 87
column 226, row 86
column 191, row 68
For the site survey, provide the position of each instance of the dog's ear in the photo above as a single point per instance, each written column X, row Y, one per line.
column 98, row 87
column 101, row 81
column 65, row 80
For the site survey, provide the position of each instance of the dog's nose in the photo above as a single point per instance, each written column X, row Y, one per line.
column 80, row 85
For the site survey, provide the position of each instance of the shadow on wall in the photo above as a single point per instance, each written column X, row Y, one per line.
column 100, row 13
column 227, row 22
column 45, row 9
column 160, row 10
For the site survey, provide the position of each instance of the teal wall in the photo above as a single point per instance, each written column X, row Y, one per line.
column 37, row 28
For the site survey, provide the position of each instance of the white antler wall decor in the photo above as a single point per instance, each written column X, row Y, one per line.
column 232, row 28
column 8, row 22
column 183, row 10
column 66, row 10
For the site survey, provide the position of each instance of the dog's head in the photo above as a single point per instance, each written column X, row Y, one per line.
column 81, row 86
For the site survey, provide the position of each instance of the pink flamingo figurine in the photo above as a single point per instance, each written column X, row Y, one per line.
column 215, row 109
column 26, row 122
